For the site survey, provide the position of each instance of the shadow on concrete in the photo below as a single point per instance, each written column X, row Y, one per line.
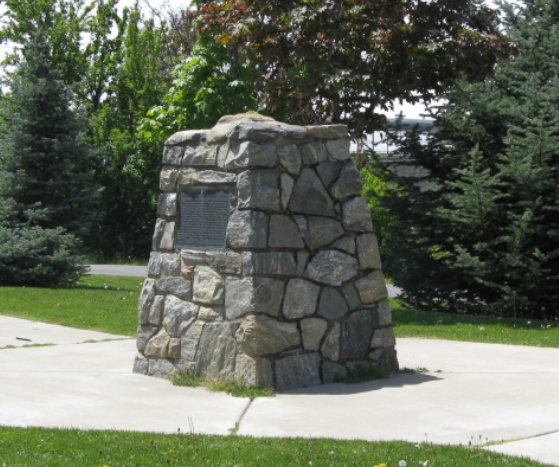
column 343, row 389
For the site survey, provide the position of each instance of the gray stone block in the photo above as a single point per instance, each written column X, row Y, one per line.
column 177, row 286
column 167, row 236
column 250, row 154
column 172, row 155
column 312, row 332
column 156, row 311
column 328, row 172
column 193, row 257
column 158, row 345
column 199, row 155
column 161, row 368
column 217, row 352
column 368, row 252
column 178, row 315
column 323, row 231
column 174, row 349
column 348, row 184
column 332, row 304
column 298, row 371
column 346, row 244
column 144, row 334
column 260, row 335
column 351, row 296
column 254, row 371
column 168, row 180
column 384, row 313
column 157, row 234
column 167, row 204
column 383, row 338
column 207, row 286
column 287, row 185
column 313, row 153
column 141, row 365
column 389, row 360
column 331, row 346
column 333, row 372
column 255, row 131
column 284, row 233
column 164, row 264
column 302, row 261
column 252, row 295
column 190, row 341
column 187, row 136
column 290, row 157
column 372, row 288
column 338, row 149
column 335, row 131
column 247, row 229
column 356, row 335
column 300, row 298
column 310, row 197
column 259, row 189
column 210, row 314
column 332, row 267
column 272, row 263
column 146, row 300
column 205, row 177
column 356, row 216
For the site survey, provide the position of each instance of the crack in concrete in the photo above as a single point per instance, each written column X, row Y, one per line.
column 238, row 422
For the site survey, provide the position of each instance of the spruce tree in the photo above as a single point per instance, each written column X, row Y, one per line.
column 45, row 176
column 486, row 236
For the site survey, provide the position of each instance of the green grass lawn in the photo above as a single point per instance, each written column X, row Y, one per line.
column 454, row 326
column 109, row 303
column 50, row 447
column 100, row 303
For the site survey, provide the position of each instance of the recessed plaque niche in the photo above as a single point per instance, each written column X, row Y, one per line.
column 203, row 216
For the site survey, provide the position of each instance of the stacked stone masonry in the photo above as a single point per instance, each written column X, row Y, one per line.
column 297, row 297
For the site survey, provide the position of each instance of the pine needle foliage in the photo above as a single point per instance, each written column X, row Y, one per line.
column 484, row 238
column 45, row 176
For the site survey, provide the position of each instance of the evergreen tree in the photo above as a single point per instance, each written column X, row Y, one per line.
column 45, row 176
column 487, row 231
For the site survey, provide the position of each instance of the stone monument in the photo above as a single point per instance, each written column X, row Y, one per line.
column 264, row 266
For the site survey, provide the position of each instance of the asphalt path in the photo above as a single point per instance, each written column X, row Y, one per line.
column 118, row 270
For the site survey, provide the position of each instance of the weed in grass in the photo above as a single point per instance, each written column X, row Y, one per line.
column 185, row 379
column 234, row 388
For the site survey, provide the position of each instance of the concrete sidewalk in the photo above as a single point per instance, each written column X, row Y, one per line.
column 470, row 392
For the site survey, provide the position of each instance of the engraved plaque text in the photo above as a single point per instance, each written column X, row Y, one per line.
column 202, row 217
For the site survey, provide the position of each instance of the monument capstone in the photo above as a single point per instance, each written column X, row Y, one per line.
column 264, row 266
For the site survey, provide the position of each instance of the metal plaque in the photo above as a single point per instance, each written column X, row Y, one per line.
column 202, row 217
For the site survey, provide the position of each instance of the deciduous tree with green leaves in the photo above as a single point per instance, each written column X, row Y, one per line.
column 342, row 61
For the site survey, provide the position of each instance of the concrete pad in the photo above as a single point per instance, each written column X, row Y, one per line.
column 91, row 386
column 15, row 332
column 541, row 448
column 473, row 393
